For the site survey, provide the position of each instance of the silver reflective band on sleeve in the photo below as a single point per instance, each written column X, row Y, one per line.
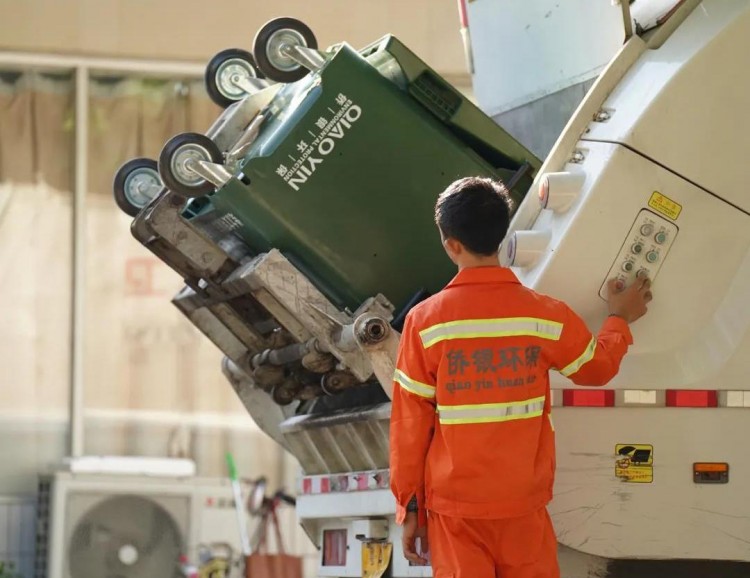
column 585, row 357
column 478, row 328
column 490, row 412
column 413, row 386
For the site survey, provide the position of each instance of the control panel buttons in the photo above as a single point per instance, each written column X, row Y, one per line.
column 642, row 251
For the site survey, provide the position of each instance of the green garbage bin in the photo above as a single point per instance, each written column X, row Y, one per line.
column 344, row 173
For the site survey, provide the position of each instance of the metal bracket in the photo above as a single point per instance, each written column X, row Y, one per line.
column 302, row 309
column 627, row 20
column 310, row 58
column 162, row 230
column 229, row 127
column 214, row 173
column 246, row 140
column 250, row 85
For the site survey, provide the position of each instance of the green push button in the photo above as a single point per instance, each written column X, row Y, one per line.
column 652, row 256
column 661, row 237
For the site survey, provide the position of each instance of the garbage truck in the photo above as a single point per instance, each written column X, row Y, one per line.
column 301, row 223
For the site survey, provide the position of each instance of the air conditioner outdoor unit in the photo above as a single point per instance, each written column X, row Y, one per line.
column 138, row 524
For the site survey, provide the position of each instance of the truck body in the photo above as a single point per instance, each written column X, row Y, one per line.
column 648, row 174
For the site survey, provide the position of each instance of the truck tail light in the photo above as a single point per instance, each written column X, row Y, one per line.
column 588, row 398
column 692, row 398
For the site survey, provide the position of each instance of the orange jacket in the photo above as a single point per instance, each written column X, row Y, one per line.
column 471, row 434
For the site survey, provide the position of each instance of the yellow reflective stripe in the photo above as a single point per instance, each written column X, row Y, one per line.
column 491, row 412
column 490, row 419
column 504, row 327
column 490, row 405
column 413, row 386
column 585, row 357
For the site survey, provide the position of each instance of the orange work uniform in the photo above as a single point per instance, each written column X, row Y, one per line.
column 471, row 434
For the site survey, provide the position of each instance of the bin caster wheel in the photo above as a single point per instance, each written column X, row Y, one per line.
column 270, row 46
column 175, row 161
column 224, row 70
column 136, row 184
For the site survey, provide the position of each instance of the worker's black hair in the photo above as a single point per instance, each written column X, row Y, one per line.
column 476, row 212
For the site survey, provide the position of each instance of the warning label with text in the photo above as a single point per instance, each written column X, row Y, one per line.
column 634, row 463
column 664, row 205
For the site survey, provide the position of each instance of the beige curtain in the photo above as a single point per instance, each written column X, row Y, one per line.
column 149, row 374
column 36, row 136
column 141, row 353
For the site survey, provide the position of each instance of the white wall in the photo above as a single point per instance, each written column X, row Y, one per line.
column 188, row 30
column 525, row 51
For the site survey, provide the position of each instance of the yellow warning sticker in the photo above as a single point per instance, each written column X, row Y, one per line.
column 634, row 463
column 375, row 558
column 215, row 568
column 664, row 205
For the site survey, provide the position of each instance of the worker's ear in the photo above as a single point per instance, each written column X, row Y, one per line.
column 454, row 248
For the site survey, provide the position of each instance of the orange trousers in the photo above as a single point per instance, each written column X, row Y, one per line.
column 523, row 547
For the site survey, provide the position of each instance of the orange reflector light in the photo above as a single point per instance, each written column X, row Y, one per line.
column 692, row 398
column 710, row 467
column 710, row 473
column 588, row 398
column 544, row 192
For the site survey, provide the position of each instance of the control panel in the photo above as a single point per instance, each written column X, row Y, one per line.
column 644, row 250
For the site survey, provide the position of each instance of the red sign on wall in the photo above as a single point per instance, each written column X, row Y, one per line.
column 139, row 276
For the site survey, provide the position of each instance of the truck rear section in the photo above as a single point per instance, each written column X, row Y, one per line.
column 301, row 223
column 646, row 179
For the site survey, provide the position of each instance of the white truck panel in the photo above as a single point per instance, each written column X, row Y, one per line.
column 681, row 106
column 679, row 344
column 673, row 517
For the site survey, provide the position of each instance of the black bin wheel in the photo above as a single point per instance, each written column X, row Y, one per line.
column 136, row 184
column 270, row 41
column 176, row 157
column 222, row 68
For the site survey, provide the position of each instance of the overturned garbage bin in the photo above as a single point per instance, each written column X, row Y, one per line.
column 343, row 168
column 302, row 220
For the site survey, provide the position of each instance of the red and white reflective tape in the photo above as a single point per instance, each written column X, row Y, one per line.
column 682, row 398
column 350, row 482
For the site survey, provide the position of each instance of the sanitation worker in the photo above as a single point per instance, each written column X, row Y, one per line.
column 472, row 441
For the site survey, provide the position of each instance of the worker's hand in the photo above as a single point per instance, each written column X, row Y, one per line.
column 408, row 540
column 629, row 303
